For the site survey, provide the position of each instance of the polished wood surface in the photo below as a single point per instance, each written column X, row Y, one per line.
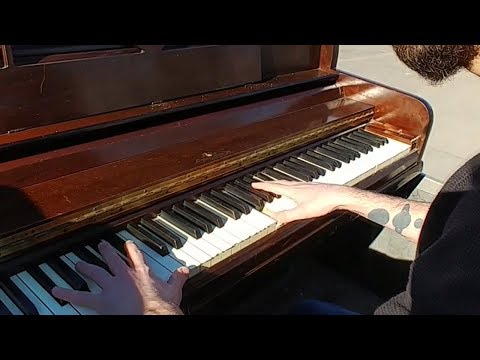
column 110, row 81
column 91, row 140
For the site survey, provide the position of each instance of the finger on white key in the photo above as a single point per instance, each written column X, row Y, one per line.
column 71, row 260
column 48, row 299
column 167, row 261
column 62, row 284
column 155, row 261
column 177, row 254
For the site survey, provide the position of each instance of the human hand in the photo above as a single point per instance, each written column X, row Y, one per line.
column 132, row 290
column 313, row 200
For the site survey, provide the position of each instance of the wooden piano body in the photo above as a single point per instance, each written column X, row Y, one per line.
column 93, row 138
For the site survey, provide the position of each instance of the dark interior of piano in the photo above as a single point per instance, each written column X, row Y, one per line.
column 159, row 144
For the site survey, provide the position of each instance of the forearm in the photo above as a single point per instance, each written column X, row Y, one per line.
column 402, row 215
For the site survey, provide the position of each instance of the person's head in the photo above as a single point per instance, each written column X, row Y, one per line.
column 437, row 63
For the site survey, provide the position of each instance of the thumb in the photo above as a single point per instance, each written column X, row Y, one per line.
column 273, row 187
column 286, row 216
column 179, row 277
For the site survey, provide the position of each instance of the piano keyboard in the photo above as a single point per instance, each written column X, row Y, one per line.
column 200, row 232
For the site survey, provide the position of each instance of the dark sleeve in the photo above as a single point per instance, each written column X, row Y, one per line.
column 445, row 278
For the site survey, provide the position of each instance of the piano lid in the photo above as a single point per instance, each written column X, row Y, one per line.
column 49, row 90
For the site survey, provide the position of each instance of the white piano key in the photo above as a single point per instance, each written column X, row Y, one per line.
column 9, row 304
column 39, row 305
column 201, row 244
column 224, row 246
column 188, row 249
column 260, row 220
column 234, row 242
column 61, row 283
column 349, row 173
column 237, row 227
column 45, row 297
column 164, row 261
column 167, row 262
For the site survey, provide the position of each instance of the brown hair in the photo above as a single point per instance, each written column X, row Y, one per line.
column 436, row 63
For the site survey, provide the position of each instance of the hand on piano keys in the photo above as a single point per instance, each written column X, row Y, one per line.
column 129, row 279
column 202, row 231
column 306, row 200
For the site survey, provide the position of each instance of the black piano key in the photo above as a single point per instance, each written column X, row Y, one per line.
column 195, row 219
column 237, row 200
column 221, row 206
column 18, row 297
column 300, row 175
column 343, row 152
column 355, row 142
column 361, row 139
column 265, row 195
column 250, row 198
column 161, row 236
column 4, row 310
column 316, row 161
column 334, row 163
column 261, row 177
column 335, row 155
column 351, row 146
column 252, row 178
column 148, row 237
column 90, row 258
column 117, row 242
column 45, row 282
column 215, row 219
column 249, row 179
column 331, row 146
column 94, row 245
column 174, row 219
column 244, row 208
column 275, row 175
column 315, row 169
column 75, row 281
column 370, row 135
column 311, row 175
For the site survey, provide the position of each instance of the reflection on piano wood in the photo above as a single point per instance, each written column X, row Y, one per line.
column 165, row 156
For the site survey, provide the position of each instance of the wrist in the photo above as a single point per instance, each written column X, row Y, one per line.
column 346, row 197
column 162, row 309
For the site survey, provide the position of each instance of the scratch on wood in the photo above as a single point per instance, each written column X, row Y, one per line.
column 43, row 80
column 67, row 199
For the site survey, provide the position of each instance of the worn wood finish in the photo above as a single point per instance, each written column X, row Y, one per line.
column 6, row 59
column 328, row 58
column 54, row 164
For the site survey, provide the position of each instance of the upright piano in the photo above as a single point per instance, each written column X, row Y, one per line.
column 159, row 145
